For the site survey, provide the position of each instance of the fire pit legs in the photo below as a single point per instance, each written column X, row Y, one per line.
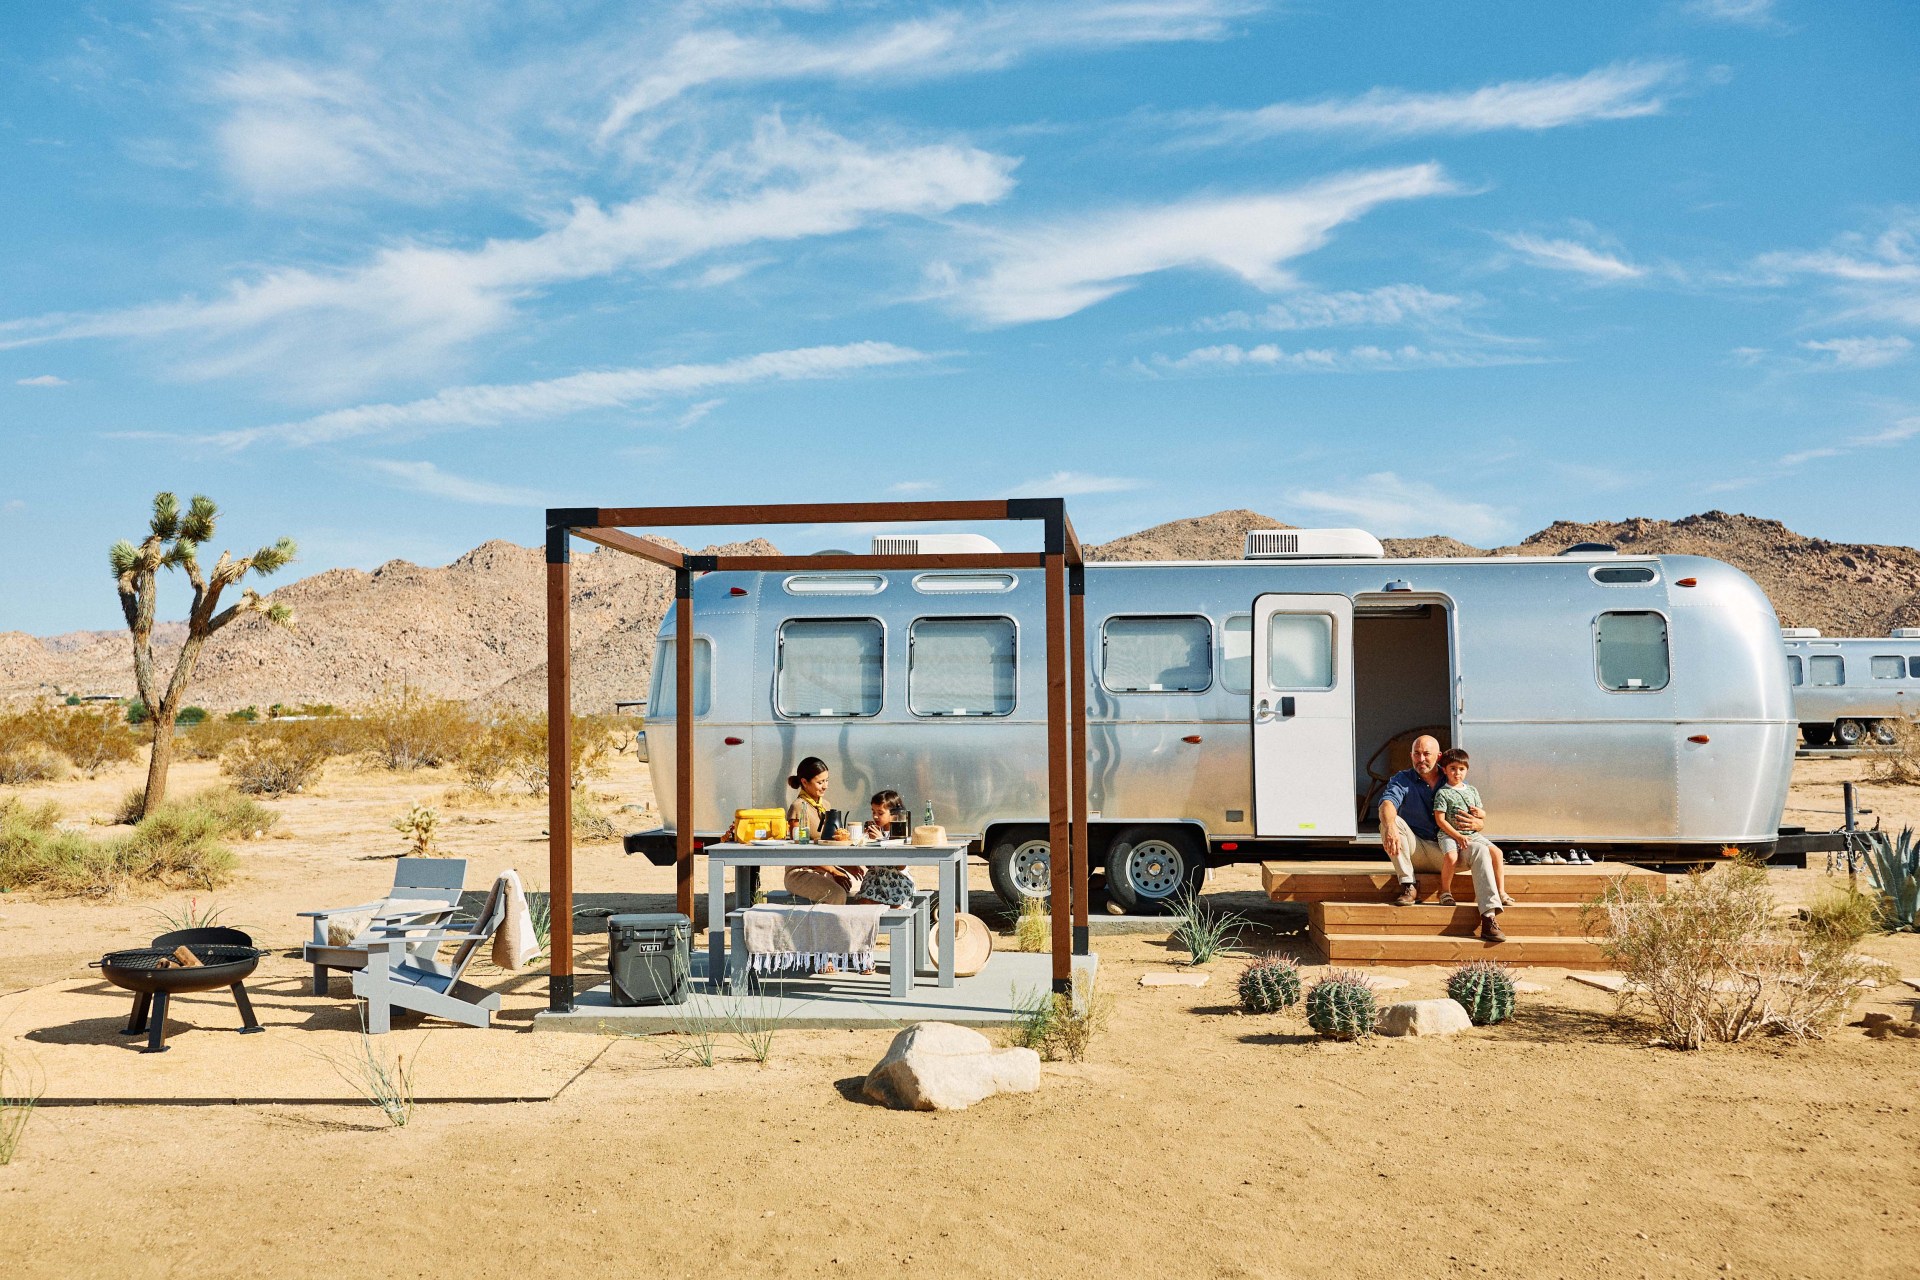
column 248, row 1023
column 157, row 1025
column 137, row 1024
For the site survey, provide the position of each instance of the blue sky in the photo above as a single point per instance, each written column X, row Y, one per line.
column 393, row 278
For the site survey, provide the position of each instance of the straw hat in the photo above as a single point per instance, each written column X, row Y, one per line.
column 973, row 944
column 928, row 837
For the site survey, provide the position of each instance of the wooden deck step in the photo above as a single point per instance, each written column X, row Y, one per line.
column 1531, row 919
column 1373, row 881
column 1408, row 949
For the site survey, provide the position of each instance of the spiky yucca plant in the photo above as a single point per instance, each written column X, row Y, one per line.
column 1484, row 988
column 1269, row 984
column 1340, row 1006
column 173, row 542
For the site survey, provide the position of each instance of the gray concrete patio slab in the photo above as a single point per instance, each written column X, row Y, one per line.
column 993, row 997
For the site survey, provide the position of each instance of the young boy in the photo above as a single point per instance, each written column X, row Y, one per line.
column 1458, row 797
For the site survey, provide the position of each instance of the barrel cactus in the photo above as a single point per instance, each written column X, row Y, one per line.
column 1340, row 1006
column 1270, row 984
column 1484, row 988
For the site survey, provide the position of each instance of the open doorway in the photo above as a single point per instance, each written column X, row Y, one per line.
column 1402, row 684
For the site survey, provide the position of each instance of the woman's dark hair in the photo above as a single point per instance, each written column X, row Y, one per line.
column 811, row 767
column 891, row 799
column 1453, row 755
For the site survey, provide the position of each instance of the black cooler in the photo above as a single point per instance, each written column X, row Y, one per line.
column 650, row 958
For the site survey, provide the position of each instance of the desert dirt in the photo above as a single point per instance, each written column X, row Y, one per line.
column 1193, row 1141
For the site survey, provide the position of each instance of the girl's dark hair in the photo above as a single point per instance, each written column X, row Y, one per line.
column 1453, row 755
column 811, row 767
column 891, row 799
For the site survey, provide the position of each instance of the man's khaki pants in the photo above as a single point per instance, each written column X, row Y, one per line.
column 1424, row 855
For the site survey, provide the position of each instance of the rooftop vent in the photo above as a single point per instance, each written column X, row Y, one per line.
column 933, row 544
column 1800, row 633
column 1905, row 633
column 1313, row 544
column 1591, row 549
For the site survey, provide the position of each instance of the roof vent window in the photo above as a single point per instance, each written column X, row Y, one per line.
column 1313, row 544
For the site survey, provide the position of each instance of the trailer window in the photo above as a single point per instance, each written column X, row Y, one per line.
column 1236, row 653
column 1623, row 575
column 830, row 667
column 1300, row 651
column 1888, row 667
column 664, row 698
column 960, row 667
column 1632, row 651
column 1827, row 670
column 1794, row 672
column 1913, row 668
column 1157, row 655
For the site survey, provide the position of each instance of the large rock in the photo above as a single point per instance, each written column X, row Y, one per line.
column 937, row 1066
column 1424, row 1018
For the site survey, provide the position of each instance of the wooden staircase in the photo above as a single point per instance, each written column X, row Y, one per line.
column 1352, row 920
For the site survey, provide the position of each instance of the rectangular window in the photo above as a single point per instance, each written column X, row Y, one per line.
column 1632, row 651
column 830, row 667
column 1913, row 668
column 960, row 667
column 1157, row 655
column 1827, row 670
column 1236, row 653
column 665, row 697
column 1300, row 651
column 1888, row 667
column 1794, row 672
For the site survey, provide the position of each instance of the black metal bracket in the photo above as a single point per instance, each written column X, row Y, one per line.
column 703, row 564
column 1080, row 939
column 559, row 543
column 560, row 993
column 683, row 583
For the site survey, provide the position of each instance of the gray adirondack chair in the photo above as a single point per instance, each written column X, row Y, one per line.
column 415, row 881
column 403, row 971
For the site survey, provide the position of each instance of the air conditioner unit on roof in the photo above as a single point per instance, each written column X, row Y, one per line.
column 1313, row 544
column 1905, row 633
column 933, row 544
column 1800, row 633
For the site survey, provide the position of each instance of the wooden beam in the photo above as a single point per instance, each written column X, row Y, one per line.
column 802, row 513
column 1059, row 774
column 1074, row 557
column 645, row 548
column 559, row 768
column 857, row 563
column 683, row 747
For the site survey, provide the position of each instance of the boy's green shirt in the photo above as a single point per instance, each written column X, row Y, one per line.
column 1452, row 800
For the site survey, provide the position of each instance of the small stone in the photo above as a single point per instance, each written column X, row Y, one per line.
column 937, row 1066
column 1424, row 1018
column 1385, row 983
column 1526, row 988
column 1605, row 981
column 1159, row 979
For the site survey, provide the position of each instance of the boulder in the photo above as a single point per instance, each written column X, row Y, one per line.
column 1423, row 1018
column 937, row 1066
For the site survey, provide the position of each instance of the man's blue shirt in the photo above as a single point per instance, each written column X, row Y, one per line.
column 1412, row 798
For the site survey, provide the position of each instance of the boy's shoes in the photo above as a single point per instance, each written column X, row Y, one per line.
column 1408, row 895
column 1554, row 858
column 1490, row 928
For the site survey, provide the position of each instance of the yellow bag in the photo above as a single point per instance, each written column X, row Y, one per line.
column 759, row 824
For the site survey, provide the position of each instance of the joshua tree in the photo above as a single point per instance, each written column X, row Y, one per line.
column 174, row 544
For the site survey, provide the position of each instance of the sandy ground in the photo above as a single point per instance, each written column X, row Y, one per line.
column 1194, row 1140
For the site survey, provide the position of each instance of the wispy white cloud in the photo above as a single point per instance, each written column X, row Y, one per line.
column 1391, row 306
column 1572, row 256
column 411, row 304
column 1898, row 433
column 1872, row 277
column 1746, row 13
column 1621, row 91
column 939, row 44
column 1044, row 273
column 498, row 405
column 1073, row 484
column 41, row 380
column 1390, row 505
column 1269, row 357
column 1861, row 353
column 695, row 412
column 425, row 477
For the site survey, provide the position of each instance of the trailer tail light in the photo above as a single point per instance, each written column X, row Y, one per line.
column 1700, row 738
column 1686, row 582
column 1229, row 846
column 736, row 591
column 1193, row 738
column 734, row 742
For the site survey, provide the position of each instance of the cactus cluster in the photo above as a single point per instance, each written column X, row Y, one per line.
column 1340, row 1006
column 1484, row 988
column 1269, row 984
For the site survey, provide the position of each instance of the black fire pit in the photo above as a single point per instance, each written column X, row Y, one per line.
column 224, row 962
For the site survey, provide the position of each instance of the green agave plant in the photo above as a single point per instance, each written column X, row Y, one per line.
column 1893, row 864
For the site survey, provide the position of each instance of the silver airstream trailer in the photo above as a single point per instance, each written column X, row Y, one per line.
column 1238, row 709
column 1845, row 690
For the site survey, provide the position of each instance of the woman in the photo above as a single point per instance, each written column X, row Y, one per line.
column 831, row 885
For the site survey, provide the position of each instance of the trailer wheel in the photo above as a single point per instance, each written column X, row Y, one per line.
column 1882, row 733
column 1817, row 735
column 1020, row 868
column 1849, row 733
column 1149, row 867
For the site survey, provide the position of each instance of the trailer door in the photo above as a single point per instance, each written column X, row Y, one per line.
column 1303, row 716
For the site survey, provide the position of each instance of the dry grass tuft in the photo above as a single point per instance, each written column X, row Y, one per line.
column 179, row 846
column 1896, row 761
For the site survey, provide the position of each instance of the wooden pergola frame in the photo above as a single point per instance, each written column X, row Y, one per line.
column 1066, row 651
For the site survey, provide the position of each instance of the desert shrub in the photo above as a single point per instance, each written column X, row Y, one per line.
column 1893, row 864
column 245, row 715
column 137, row 712
column 486, row 761
column 25, row 755
column 272, row 764
column 90, row 740
column 190, row 716
column 179, row 846
column 1893, row 754
column 231, row 813
column 515, row 747
column 408, row 729
column 132, row 806
column 1058, row 1025
column 1713, row 960
column 20, row 1091
column 1033, row 930
column 417, row 825
column 591, row 824
column 209, row 739
column 1204, row 931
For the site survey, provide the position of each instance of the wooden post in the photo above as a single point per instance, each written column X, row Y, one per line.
column 683, row 747
column 1059, row 786
column 559, row 774
column 1077, row 648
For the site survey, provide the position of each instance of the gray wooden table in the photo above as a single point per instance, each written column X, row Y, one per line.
column 747, row 859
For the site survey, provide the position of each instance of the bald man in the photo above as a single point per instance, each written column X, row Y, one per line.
column 1411, row 838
